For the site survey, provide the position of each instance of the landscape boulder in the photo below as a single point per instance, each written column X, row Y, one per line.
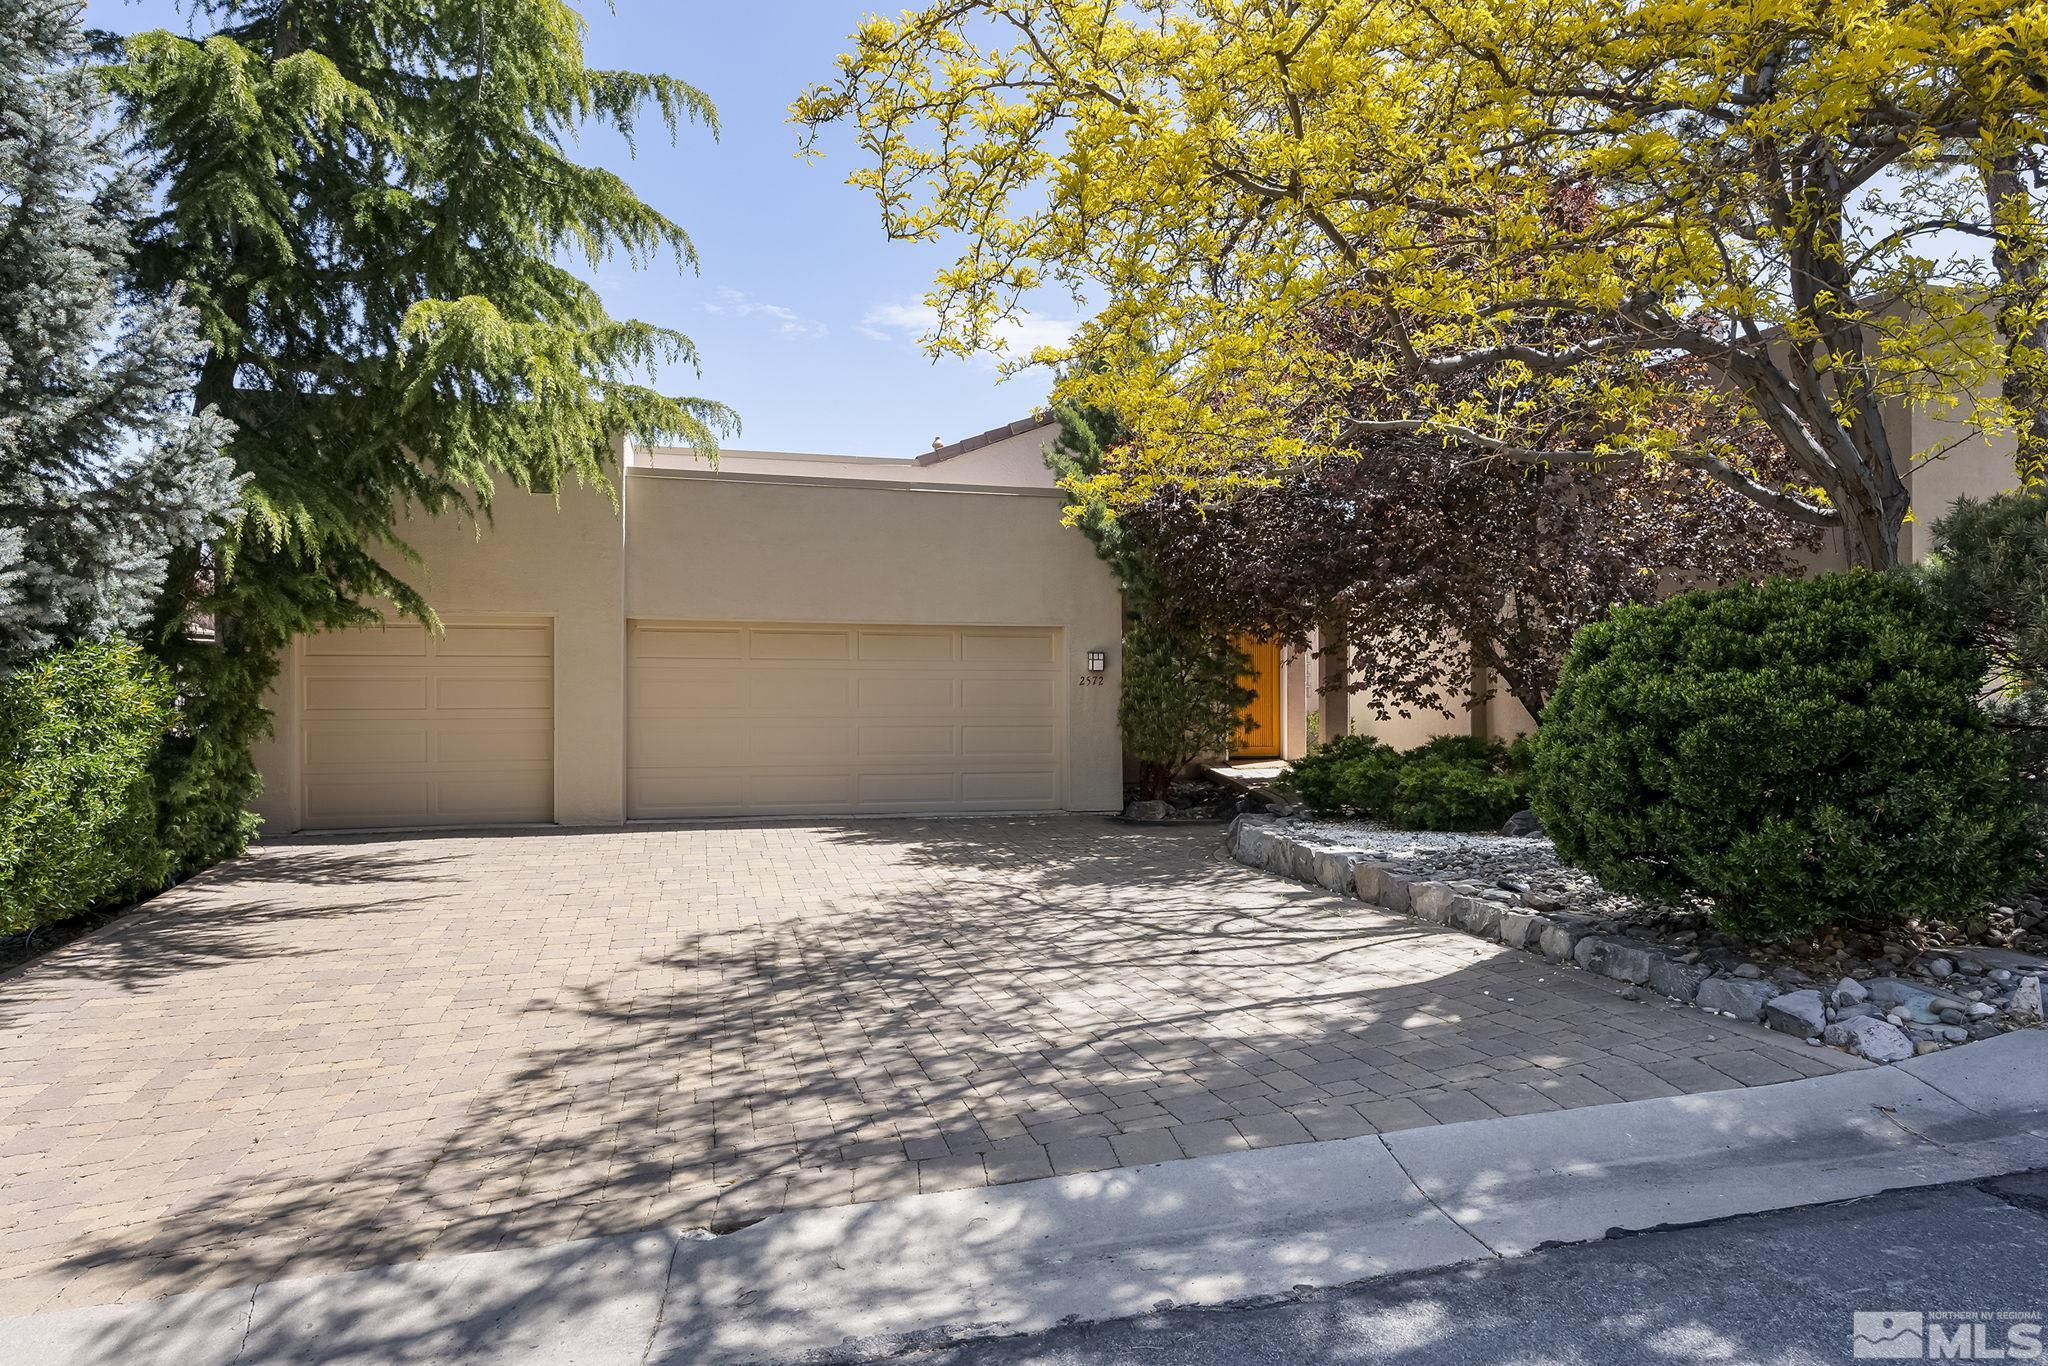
column 1798, row 1013
column 1877, row 1040
column 1624, row 960
column 1741, row 997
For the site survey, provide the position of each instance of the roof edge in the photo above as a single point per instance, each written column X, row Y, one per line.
column 987, row 438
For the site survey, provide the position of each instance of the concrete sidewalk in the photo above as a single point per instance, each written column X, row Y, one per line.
column 870, row 1279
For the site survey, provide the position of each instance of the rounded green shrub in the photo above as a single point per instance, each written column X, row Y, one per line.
column 1454, row 782
column 79, row 729
column 1329, row 778
column 1459, row 782
column 1797, row 754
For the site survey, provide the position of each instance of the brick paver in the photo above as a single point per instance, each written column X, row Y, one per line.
column 345, row 1052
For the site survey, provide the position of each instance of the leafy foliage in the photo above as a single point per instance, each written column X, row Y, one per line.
column 1772, row 192
column 1343, row 773
column 78, row 729
column 1424, row 556
column 1797, row 754
column 1990, row 567
column 104, row 468
column 1454, row 782
column 372, row 204
column 1088, row 441
column 1180, row 698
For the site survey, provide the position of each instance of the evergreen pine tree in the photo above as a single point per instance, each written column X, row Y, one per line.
column 104, row 468
column 372, row 201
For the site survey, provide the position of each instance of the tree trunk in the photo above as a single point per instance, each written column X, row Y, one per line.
column 2016, row 254
column 1333, row 678
column 1155, row 780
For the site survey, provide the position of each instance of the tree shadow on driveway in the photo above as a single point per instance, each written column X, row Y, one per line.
column 650, row 1028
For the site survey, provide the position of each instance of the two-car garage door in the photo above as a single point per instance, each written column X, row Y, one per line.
column 774, row 719
column 401, row 728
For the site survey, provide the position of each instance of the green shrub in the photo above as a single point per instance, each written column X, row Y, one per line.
column 1181, row 697
column 1454, row 782
column 1334, row 775
column 79, row 729
column 1990, row 567
column 1459, row 782
column 1796, row 754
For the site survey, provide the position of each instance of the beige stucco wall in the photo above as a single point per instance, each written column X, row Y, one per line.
column 1014, row 462
column 734, row 547
column 727, row 547
column 534, row 558
column 1955, row 462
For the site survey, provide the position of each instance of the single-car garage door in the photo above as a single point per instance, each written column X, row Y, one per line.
column 778, row 719
column 403, row 728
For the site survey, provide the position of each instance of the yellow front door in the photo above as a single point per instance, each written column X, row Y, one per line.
column 1258, row 734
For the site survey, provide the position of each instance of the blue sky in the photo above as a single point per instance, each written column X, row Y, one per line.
column 805, row 314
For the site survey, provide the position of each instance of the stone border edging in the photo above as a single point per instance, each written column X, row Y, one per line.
column 1275, row 846
column 865, row 1281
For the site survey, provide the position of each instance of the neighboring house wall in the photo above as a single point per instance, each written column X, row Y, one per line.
column 726, row 547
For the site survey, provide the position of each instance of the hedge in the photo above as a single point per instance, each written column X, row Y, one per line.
column 79, row 731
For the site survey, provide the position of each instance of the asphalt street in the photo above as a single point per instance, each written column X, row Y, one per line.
column 1781, row 1289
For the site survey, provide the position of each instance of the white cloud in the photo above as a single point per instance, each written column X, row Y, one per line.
column 735, row 303
column 1019, row 336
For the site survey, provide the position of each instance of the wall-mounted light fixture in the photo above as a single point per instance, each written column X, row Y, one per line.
column 1098, row 660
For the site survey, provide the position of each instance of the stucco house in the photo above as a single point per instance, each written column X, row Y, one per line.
column 781, row 634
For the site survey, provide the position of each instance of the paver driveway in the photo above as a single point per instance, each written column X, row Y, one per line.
column 337, row 1053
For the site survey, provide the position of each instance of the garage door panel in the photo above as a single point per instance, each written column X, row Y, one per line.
column 900, row 693
column 501, row 797
column 896, row 742
column 668, row 742
column 675, row 692
column 342, row 746
column 1027, row 741
column 653, row 793
column 909, row 791
column 665, row 643
column 358, row 693
column 978, row 647
column 1010, row 789
column 496, row 642
column 801, row 791
column 408, row 642
column 341, row 803
column 1006, row 694
column 800, row 693
column 532, row 745
column 842, row 720
column 493, row 693
column 796, row 742
column 807, row 645
column 893, row 647
column 402, row 728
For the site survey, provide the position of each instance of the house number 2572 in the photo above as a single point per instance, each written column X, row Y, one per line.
column 1091, row 680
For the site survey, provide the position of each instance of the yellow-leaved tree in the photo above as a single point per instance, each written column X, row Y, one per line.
column 1533, row 222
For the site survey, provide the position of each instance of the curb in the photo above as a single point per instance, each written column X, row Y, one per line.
column 1272, row 846
column 865, row 1281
